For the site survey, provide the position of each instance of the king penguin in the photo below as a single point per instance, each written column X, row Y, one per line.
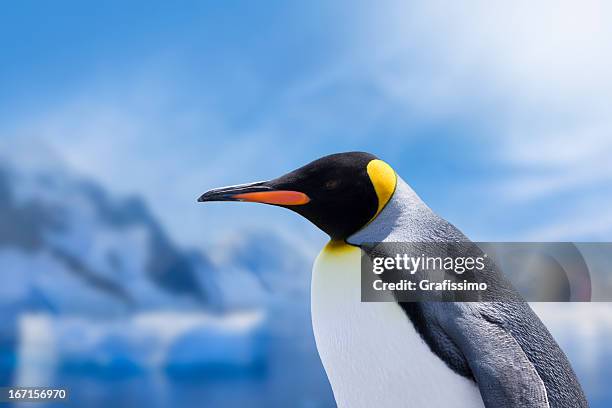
column 407, row 354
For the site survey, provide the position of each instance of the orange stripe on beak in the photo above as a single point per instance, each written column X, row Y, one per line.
column 279, row 197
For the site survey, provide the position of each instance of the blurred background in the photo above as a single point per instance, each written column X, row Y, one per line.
column 115, row 116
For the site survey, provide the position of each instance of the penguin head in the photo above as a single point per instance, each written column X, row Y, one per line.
column 339, row 193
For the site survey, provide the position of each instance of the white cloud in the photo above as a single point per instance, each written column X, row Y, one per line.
column 532, row 53
column 536, row 77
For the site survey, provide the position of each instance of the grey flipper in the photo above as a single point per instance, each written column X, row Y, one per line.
column 505, row 375
column 503, row 346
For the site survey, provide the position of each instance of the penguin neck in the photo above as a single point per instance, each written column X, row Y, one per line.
column 337, row 246
column 406, row 218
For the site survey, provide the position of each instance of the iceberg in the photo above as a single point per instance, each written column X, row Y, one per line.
column 169, row 342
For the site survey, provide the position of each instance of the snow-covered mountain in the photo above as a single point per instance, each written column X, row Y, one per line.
column 68, row 246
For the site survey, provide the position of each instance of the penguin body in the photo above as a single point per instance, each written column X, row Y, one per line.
column 397, row 354
column 503, row 346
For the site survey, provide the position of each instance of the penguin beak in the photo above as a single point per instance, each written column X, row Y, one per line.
column 258, row 192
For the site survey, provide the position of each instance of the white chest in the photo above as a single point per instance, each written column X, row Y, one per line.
column 371, row 352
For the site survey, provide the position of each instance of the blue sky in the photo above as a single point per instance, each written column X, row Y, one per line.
column 498, row 116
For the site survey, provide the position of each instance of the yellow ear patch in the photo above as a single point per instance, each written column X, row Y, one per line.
column 384, row 180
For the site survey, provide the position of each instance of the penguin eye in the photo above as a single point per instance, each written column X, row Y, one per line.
column 331, row 184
